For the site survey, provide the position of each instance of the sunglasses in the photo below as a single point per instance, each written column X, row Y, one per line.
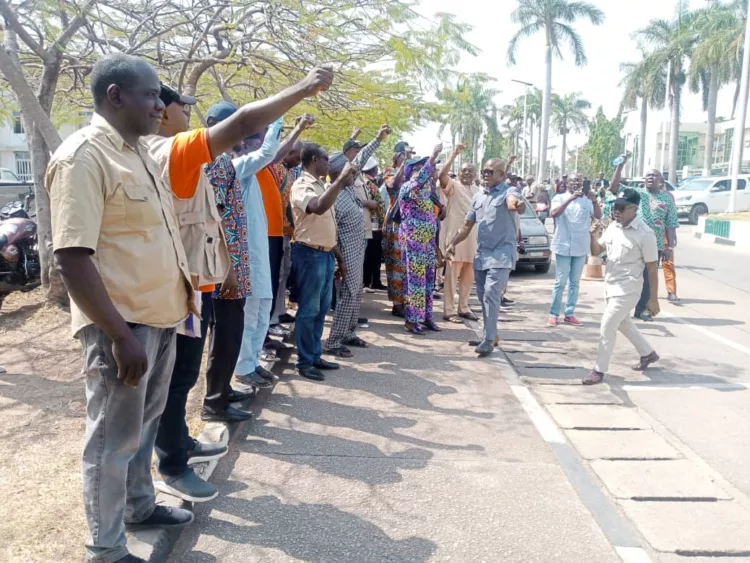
column 622, row 208
column 488, row 172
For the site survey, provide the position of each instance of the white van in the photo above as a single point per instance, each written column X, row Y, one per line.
column 710, row 195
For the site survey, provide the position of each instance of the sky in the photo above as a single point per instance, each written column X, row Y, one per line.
column 606, row 47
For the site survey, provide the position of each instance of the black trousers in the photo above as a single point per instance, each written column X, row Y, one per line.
column 275, row 256
column 642, row 305
column 227, row 324
column 373, row 260
column 173, row 438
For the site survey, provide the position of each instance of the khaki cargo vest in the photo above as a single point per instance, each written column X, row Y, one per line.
column 199, row 220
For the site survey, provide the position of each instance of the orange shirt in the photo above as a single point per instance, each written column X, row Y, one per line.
column 186, row 159
column 271, row 202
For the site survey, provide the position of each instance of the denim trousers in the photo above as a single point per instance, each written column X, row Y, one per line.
column 568, row 271
column 121, row 425
column 257, row 315
column 313, row 270
column 173, row 438
column 490, row 287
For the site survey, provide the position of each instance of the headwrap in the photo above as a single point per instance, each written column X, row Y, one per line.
column 411, row 163
column 336, row 162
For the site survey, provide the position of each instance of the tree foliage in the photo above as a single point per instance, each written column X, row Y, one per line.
column 605, row 142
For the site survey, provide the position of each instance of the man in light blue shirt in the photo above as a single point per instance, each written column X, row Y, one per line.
column 572, row 212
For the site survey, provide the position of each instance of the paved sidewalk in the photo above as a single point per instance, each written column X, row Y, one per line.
column 417, row 452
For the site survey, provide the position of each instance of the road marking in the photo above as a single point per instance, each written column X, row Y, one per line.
column 706, row 332
column 687, row 387
column 633, row 554
column 542, row 421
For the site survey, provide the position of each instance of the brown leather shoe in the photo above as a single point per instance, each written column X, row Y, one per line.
column 593, row 378
column 646, row 361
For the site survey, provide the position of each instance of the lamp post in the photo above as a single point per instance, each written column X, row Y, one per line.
column 525, row 115
column 739, row 128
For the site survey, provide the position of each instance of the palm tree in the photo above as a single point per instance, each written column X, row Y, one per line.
column 568, row 115
column 534, row 110
column 471, row 112
column 715, row 61
column 647, row 84
column 673, row 43
column 554, row 18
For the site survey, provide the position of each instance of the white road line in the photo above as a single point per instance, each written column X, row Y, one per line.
column 688, row 387
column 544, row 424
column 706, row 332
column 633, row 554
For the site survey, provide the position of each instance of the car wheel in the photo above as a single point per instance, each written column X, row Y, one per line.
column 697, row 211
column 543, row 268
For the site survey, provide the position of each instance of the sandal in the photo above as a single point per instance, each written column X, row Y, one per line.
column 416, row 330
column 468, row 316
column 357, row 342
column 430, row 325
column 340, row 352
column 453, row 319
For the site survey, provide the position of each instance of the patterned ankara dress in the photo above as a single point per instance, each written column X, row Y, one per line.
column 395, row 269
column 417, row 234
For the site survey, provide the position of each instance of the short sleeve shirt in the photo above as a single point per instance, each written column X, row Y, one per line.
column 497, row 236
column 572, row 236
column 629, row 249
column 108, row 197
column 311, row 229
column 659, row 212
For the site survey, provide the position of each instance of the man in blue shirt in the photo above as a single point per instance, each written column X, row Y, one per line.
column 572, row 212
column 493, row 210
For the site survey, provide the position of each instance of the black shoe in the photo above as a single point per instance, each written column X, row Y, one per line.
column 278, row 330
column 201, row 452
column 239, row 396
column 311, row 373
column 275, row 345
column 230, row 414
column 266, row 374
column 130, row 558
column 189, row 487
column 506, row 302
column 286, row 319
column 379, row 287
column 362, row 321
column 164, row 517
column 254, row 380
column 484, row 349
column 325, row 365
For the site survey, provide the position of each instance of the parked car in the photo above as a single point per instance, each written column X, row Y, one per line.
column 536, row 241
column 710, row 195
column 8, row 177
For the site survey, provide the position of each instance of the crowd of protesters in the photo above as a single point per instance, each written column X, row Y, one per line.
column 168, row 237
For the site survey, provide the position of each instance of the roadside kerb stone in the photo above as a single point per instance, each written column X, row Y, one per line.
column 572, row 394
column 679, row 478
column 636, row 444
column 597, row 416
column 693, row 527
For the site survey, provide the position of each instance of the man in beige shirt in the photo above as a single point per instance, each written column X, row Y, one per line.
column 313, row 255
column 631, row 247
column 459, row 272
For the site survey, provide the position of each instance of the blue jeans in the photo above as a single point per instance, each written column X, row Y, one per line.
column 490, row 287
column 568, row 270
column 314, row 273
column 257, row 316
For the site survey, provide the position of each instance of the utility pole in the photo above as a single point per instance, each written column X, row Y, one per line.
column 739, row 128
column 525, row 115
column 669, row 120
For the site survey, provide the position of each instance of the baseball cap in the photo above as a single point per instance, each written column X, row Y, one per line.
column 402, row 146
column 351, row 144
column 628, row 196
column 169, row 95
column 221, row 110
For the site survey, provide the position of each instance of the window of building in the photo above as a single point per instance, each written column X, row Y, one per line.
column 18, row 124
column 728, row 140
column 23, row 166
column 687, row 148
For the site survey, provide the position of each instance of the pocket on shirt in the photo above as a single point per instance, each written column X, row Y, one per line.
column 620, row 250
column 142, row 207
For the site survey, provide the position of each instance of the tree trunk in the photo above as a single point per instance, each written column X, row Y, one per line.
column 642, row 139
column 713, row 94
column 564, row 158
column 546, row 106
column 674, row 134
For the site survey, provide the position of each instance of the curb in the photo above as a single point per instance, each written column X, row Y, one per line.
column 155, row 545
column 715, row 239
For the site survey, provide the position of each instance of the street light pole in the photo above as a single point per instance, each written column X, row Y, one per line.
column 525, row 115
column 669, row 113
column 739, row 128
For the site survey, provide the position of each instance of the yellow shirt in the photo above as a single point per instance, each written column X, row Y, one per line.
column 315, row 230
column 108, row 197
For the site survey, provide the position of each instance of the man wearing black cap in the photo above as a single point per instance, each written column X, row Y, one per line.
column 631, row 247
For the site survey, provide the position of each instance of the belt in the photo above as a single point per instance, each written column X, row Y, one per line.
column 315, row 247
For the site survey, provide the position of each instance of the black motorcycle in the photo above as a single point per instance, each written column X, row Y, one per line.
column 19, row 248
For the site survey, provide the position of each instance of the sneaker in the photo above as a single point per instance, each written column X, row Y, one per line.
column 189, row 487
column 572, row 321
column 164, row 517
column 201, row 452
column 552, row 322
column 672, row 298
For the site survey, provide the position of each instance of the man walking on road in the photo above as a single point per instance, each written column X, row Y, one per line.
column 631, row 247
column 459, row 273
column 493, row 209
column 572, row 212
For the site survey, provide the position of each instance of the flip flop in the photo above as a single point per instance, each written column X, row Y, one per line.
column 468, row 316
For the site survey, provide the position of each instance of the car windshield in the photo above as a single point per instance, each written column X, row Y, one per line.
column 529, row 213
column 8, row 175
column 697, row 185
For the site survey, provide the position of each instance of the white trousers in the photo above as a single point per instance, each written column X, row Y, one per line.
column 617, row 316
